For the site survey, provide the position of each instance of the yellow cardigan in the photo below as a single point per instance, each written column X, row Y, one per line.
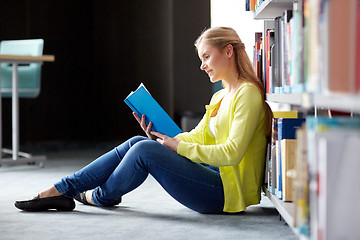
column 238, row 149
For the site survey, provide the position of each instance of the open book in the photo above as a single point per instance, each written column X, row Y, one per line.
column 142, row 103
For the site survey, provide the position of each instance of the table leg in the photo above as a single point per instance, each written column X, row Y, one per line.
column 0, row 118
column 15, row 113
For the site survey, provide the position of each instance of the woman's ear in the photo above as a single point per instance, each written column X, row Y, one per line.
column 229, row 50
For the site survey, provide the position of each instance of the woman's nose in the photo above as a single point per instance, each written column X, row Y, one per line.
column 202, row 66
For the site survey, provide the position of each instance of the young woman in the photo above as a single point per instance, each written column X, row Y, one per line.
column 217, row 167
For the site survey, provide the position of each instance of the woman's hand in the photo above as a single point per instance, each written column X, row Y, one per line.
column 171, row 143
column 147, row 129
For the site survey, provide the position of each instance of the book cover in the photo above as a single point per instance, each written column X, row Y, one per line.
column 277, row 56
column 338, row 217
column 247, row 5
column 288, row 153
column 287, row 15
column 142, row 103
column 257, row 54
column 252, row 5
column 269, row 43
column 357, row 53
column 273, row 165
column 286, row 130
column 301, row 183
column 298, row 48
column 311, row 46
column 316, row 127
column 342, row 31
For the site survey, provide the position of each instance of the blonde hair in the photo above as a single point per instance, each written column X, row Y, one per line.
column 220, row 37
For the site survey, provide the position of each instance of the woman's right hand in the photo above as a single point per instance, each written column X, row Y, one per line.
column 147, row 129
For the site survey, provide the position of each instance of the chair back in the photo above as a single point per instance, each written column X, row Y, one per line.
column 29, row 75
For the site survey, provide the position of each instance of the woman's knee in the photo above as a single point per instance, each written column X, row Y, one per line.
column 147, row 151
column 137, row 139
column 147, row 146
column 132, row 141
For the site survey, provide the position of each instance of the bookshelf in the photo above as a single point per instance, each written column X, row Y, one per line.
column 323, row 95
column 269, row 9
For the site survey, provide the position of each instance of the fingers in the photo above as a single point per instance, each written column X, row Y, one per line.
column 159, row 135
column 148, row 129
column 137, row 117
column 145, row 128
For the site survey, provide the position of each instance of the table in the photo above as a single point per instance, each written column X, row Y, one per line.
column 17, row 156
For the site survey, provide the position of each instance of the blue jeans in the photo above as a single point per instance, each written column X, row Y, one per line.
column 126, row 167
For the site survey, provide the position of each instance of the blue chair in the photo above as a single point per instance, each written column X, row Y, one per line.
column 29, row 75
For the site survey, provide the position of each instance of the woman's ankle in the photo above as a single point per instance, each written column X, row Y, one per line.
column 88, row 196
column 51, row 192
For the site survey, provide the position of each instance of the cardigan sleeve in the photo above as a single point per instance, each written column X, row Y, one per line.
column 244, row 117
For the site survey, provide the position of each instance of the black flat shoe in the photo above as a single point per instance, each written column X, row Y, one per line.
column 60, row 203
column 82, row 198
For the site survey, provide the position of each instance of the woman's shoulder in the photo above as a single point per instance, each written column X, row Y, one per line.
column 248, row 88
column 248, row 92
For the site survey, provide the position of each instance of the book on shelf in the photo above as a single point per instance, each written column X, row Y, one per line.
column 316, row 128
column 301, row 185
column 311, row 46
column 142, row 103
column 269, row 43
column 357, row 51
column 312, row 51
column 288, row 157
column 297, row 48
column 258, row 55
column 277, row 73
column 338, row 171
column 252, row 5
column 286, row 130
column 342, row 44
column 272, row 166
column 286, row 50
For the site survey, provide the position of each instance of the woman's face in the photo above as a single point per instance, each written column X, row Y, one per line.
column 214, row 62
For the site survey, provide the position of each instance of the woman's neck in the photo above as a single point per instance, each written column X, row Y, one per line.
column 233, row 85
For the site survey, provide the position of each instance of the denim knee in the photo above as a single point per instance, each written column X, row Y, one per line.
column 147, row 146
column 148, row 150
column 131, row 142
column 136, row 139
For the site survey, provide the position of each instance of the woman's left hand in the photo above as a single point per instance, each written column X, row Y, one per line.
column 167, row 141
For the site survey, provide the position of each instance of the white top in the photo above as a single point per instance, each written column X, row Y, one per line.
column 212, row 122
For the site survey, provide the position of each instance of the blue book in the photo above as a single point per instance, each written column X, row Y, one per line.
column 286, row 130
column 142, row 103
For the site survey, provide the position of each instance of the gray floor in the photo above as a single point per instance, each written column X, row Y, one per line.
column 146, row 213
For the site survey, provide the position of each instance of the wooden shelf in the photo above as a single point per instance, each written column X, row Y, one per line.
column 270, row 9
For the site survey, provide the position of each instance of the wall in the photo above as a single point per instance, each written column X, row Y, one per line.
column 103, row 50
column 232, row 13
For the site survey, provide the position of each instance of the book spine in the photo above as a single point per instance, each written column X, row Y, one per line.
column 132, row 107
column 357, row 47
column 279, row 161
